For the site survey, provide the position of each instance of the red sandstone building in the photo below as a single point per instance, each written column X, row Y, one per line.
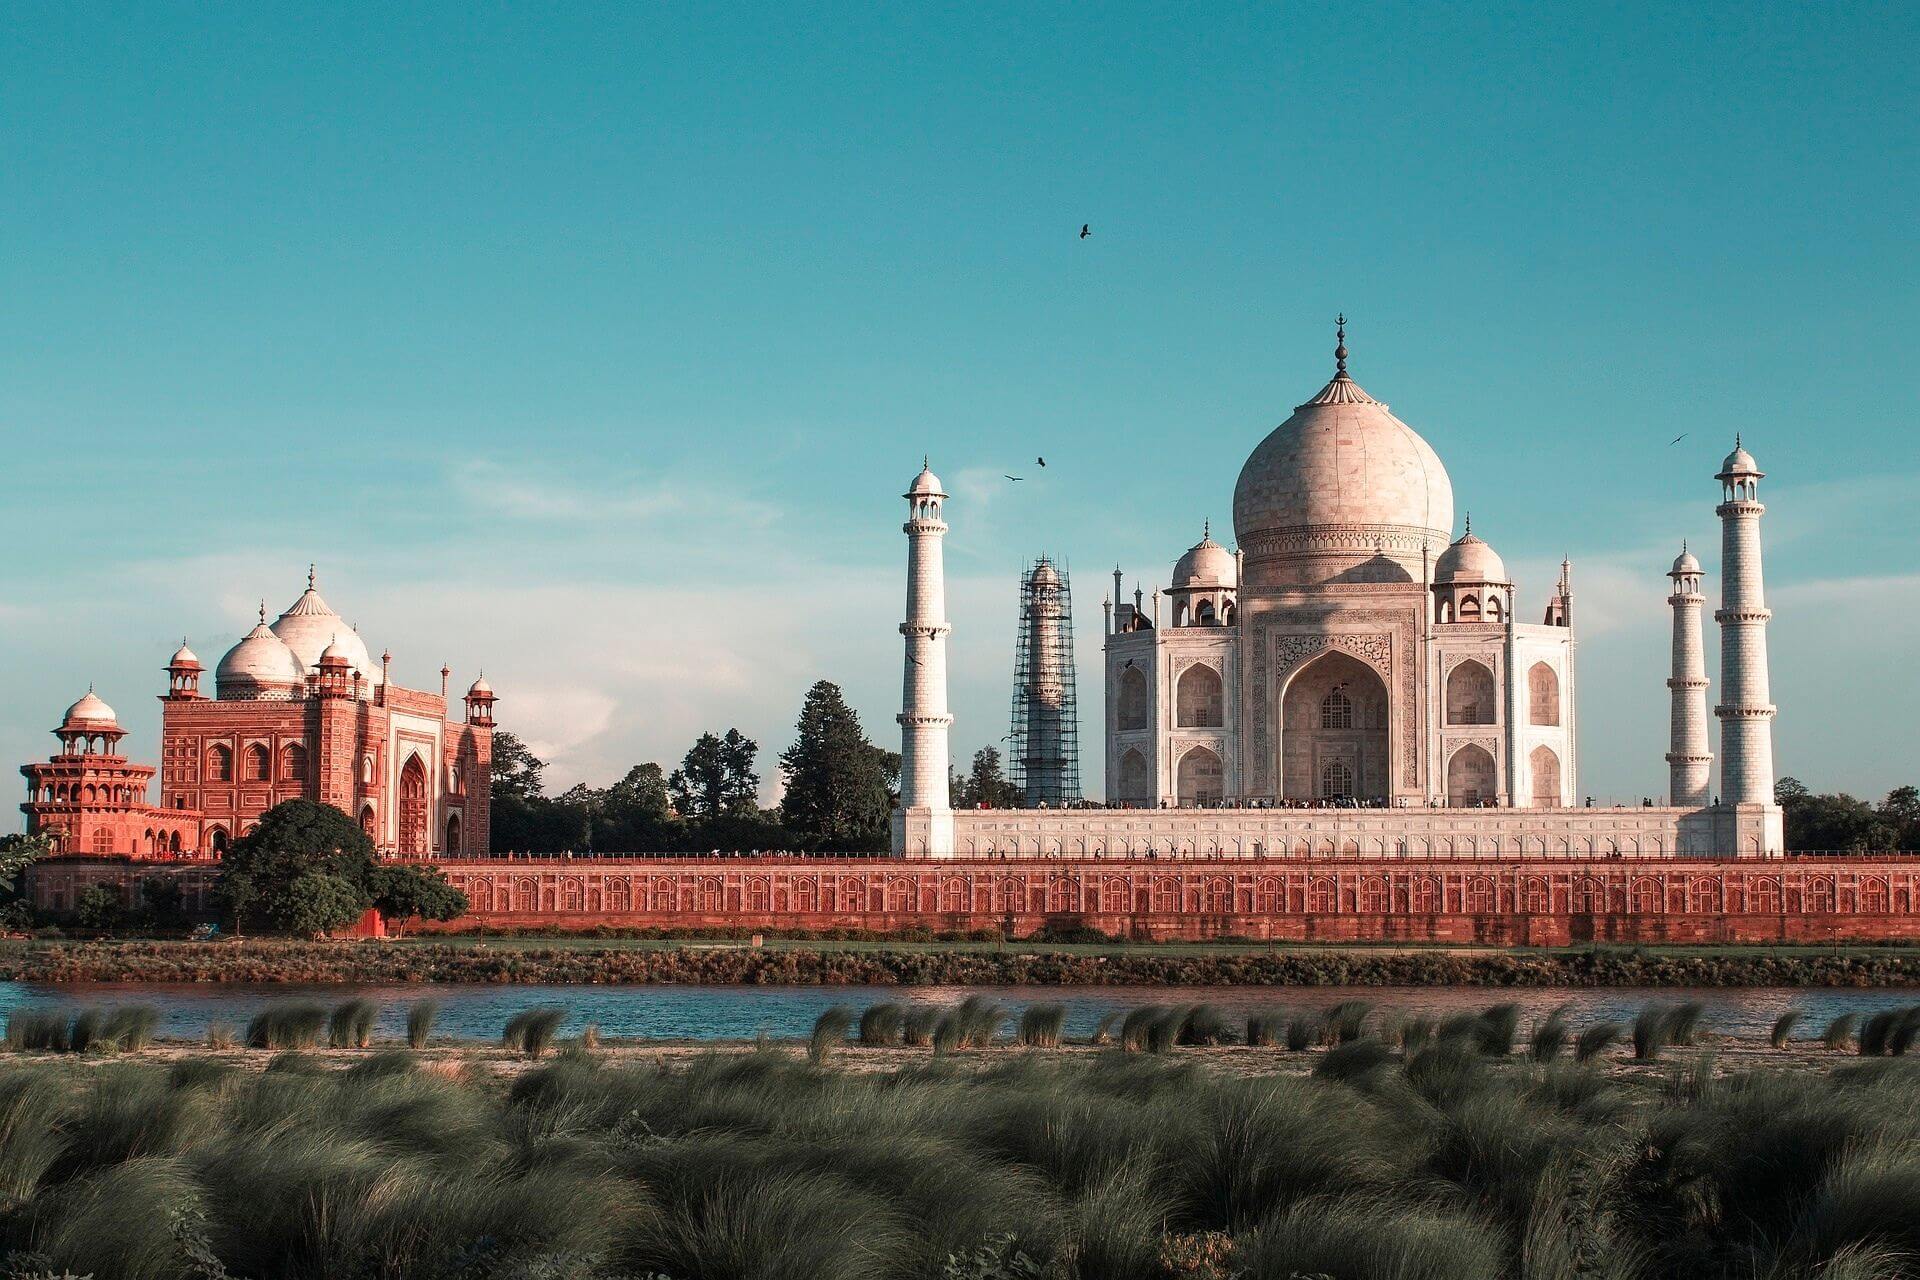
column 299, row 711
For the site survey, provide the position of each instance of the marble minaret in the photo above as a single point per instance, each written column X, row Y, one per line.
column 923, row 825
column 1746, row 705
column 1689, row 763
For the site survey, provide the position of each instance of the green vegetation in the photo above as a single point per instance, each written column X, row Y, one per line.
column 533, row 1031
column 1841, row 823
column 420, row 1016
column 1446, row 1163
column 832, row 963
column 307, row 869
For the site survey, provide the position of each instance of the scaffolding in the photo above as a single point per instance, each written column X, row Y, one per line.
column 1045, row 742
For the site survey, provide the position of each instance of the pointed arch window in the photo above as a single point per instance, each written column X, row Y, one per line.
column 220, row 764
column 1336, row 711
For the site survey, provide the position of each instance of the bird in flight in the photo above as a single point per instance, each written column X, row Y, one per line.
column 1677, row 439
column 1041, row 461
column 1013, row 477
column 1086, row 229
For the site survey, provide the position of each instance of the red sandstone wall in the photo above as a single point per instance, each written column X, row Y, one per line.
column 1536, row 903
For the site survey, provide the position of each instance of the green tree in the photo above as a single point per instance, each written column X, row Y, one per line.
column 836, row 782
column 163, row 902
column 985, row 784
column 17, row 853
column 304, row 869
column 642, row 794
column 407, row 891
column 100, row 908
column 516, row 770
column 717, row 777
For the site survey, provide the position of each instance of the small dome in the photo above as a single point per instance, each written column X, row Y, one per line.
column 335, row 656
column 1206, row 564
column 1685, row 563
column 1739, row 463
column 184, row 657
column 260, row 664
column 926, row 485
column 90, row 712
column 1044, row 574
column 480, row 689
column 1469, row 560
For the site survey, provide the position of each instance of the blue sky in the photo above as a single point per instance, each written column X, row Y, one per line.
column 594, row 346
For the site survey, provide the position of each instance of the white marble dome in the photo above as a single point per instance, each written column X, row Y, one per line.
column 184, row 657
column 1685, row 563
column 1206, row 564
column 1739, row 463
column 926, row 485
column 1469, row 560
column 261, row 665
column 310, row 625
column 1343, row 463
column 90, row 712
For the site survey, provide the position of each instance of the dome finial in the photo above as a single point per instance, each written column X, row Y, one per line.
column 309, row 576
column 1469, row 524
column 1206, row 528
column 1340, row 351
column 263, row 613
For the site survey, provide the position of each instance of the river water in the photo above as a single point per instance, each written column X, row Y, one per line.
column 477, row 1012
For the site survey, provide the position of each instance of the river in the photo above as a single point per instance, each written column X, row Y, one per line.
column 477, row 1012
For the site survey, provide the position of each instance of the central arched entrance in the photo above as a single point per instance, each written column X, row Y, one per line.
column 1333, row 737
column 1199, row 779
column 413, row 807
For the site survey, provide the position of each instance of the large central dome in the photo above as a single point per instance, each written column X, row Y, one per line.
column 1343, row 478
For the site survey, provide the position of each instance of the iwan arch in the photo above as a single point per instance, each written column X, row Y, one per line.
column 1356, row 680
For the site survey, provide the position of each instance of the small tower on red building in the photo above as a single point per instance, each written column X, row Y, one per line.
column 480, row 702
column 183, row 675
column 335, row 677
column 88, row 798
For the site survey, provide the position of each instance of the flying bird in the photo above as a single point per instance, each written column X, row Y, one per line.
column 1677, row 439
column 1013, row 477
column 1041, row 461
column 1086, row 230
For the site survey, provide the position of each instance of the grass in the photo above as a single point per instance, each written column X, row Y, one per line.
column 1042, row 1026
column 1782, row 1034
column 350, row 1025
column 120, row 1029
column 532, row 1032
column 1443, row 1161
column 287, row 1024
column 829, row 1033
column 420, row 1016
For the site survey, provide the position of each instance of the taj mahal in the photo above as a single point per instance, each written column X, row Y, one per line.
column 1357, row 680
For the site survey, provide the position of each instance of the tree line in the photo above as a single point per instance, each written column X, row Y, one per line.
column 1840, row 823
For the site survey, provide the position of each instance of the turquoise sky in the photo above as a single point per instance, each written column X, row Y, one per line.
column 594, row 346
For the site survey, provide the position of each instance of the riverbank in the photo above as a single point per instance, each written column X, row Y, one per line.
column 828, row 964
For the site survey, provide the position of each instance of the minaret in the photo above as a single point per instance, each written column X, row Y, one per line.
column 1689, row 763
column 924, row 824
column 1746, row 707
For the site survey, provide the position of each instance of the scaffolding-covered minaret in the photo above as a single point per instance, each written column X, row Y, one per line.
column 1046, row 731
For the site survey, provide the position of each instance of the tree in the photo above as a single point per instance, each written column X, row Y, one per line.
column 304, row 869
column 642, row 794
column 836, row 780
column 163, row 902
column 985, row 785
column 1789, row 791
column 100, row 908
column 516, row 770
column 717, row 777
column 407, row 891
column 17, row 853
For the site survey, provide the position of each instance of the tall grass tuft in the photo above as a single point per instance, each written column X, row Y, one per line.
column 531, row 1032
column 1652, row 1027
column 131, row 1026
column 1494, row 1030
column 829, row 1033
column 85, row 1034
column 1549, row 1036
column 287, row 1024
column 1353, row 1059
column 350, row 1026
column 1839, row 1032
column 1347, row 1021
column 222, row 1035
column 1041, row 1025
column 1376, row 1239
column 1103, row 1032
column 1415, row 1034
column 1683, row 1023
column 1879, row 1033
column 1596, row 1040
column 1264, row 1030
column 39, row 1031
column 1163, row 1032
column 880, row 1025
column 1782, row 1033
column 1301, row 1033
column 917, row 1028
column 1135, row 1026
column 420, row 1016
column 1204, row 1025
